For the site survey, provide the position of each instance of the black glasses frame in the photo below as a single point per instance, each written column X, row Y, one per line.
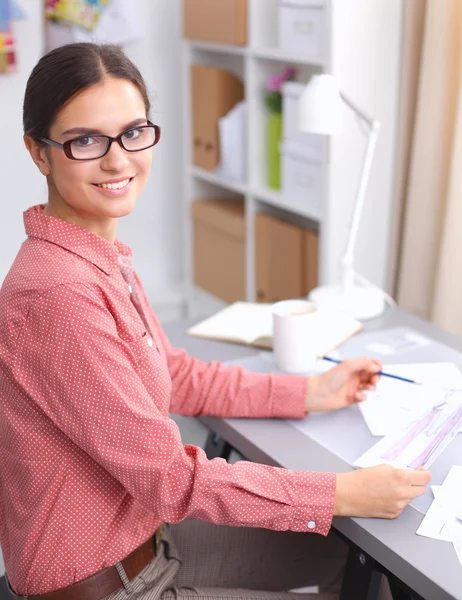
column 66, row 147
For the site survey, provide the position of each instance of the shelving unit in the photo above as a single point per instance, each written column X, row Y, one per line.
column 363, row 41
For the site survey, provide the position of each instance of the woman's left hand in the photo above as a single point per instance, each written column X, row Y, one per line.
column 345, row 384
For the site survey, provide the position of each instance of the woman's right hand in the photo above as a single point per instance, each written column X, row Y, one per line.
column 380, row 492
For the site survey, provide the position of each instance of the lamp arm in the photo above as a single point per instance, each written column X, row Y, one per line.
column 358, row 112
column 348, row 256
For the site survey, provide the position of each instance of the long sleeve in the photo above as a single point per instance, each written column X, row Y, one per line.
column 213, row 389
column 107, row 394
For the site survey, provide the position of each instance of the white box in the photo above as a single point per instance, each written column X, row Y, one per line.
column 303, row 26
column 291, row 92
column 301, row 179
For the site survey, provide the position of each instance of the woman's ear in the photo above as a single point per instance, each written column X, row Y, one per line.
column 38, row 154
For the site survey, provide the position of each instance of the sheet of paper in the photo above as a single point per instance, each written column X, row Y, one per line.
column 422, row 441
column 451, row 495
column 434, row 523
column 396, row 403
column 443, row 519
column 398, row 343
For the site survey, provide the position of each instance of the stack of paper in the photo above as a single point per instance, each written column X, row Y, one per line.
column 443, row 520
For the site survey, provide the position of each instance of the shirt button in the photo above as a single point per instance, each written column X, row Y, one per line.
column 130, row 289
column 150, row 342
column 311, row 525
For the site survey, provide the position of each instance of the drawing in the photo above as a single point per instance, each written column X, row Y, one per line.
column 447, row 428
column 421, row 441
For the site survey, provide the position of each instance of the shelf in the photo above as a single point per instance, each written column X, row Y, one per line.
column 285, row 56
column 264, row 194
column 210, row 177
column 277, row 199
column 278, row 54
column 220, row 48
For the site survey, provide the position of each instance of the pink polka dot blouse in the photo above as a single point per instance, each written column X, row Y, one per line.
column 91, row 463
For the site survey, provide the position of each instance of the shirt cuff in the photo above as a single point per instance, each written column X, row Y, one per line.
column 315, row 514
column 288, row 396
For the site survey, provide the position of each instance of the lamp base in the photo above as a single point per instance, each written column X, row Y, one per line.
column 358, row 301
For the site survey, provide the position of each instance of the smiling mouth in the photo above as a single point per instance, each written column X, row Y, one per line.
column 114, row 186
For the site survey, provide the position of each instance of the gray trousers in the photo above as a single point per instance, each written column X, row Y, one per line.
column 200, row 560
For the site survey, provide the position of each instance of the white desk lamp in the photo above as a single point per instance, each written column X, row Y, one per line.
column 321, row 111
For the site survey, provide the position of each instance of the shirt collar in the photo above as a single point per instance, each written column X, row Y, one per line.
column 78, row 240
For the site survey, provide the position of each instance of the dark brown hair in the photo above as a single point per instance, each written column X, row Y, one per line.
column 67, row 71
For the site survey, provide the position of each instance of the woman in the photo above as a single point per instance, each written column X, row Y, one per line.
column 92, row 465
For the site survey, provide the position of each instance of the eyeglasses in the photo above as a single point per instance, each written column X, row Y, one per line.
column 90, row 147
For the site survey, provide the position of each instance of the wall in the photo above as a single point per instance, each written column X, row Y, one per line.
column 22, row 185
column 366, row 59
column 154, row 228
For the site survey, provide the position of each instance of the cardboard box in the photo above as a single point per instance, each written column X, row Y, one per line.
column 311, row 261
column 279, row 259
column 214, row 93
column 219, row 247
column 219, row 21
column 286, row 261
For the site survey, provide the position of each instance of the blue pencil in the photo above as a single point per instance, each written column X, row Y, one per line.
column 337, row 362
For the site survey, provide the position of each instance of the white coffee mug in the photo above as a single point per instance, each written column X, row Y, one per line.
column 293, row 340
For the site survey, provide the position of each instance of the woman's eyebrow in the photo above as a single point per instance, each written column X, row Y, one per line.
column 89, row 131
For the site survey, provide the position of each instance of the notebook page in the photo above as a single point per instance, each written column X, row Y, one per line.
column 242, row 322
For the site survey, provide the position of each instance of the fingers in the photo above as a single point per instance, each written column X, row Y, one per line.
column 369, row 365
column 417, row 491
column 420, row 477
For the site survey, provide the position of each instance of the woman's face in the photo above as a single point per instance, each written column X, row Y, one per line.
column 76, row 191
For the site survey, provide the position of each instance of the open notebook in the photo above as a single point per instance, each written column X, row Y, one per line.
column 251, row 323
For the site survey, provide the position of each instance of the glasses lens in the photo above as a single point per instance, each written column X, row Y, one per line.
column 139, row 138
column 88, row 147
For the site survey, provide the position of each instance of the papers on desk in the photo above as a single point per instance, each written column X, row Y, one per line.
column 423, row 439
column 395, row 403
column 443, row 520
column 398, row 342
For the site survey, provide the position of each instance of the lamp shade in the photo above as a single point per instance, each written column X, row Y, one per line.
column 321, row 106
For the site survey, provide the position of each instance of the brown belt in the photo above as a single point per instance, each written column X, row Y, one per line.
column 105, row 582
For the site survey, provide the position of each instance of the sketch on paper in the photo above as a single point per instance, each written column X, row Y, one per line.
column 423, row 440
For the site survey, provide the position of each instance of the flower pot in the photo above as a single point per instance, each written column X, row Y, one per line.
column 273, row 138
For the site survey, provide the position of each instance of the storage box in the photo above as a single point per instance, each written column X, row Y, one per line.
column 303, row 26
column 291, row 92
column 219, row 247
column 279, row 259
column 214, row 93
column 311, row 261
column 222, row 21
column 302, row 183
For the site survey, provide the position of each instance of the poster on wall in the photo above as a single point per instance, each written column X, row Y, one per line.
column 84, row 13
column 10, row 10
column 117, row 24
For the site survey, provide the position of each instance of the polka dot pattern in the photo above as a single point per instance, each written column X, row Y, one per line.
column 91, row 463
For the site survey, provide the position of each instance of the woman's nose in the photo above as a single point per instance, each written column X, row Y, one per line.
column 116, row 159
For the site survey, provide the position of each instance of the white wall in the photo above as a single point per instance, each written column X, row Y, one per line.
column 22, row 185
column 366, row 59
column 154, row 229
